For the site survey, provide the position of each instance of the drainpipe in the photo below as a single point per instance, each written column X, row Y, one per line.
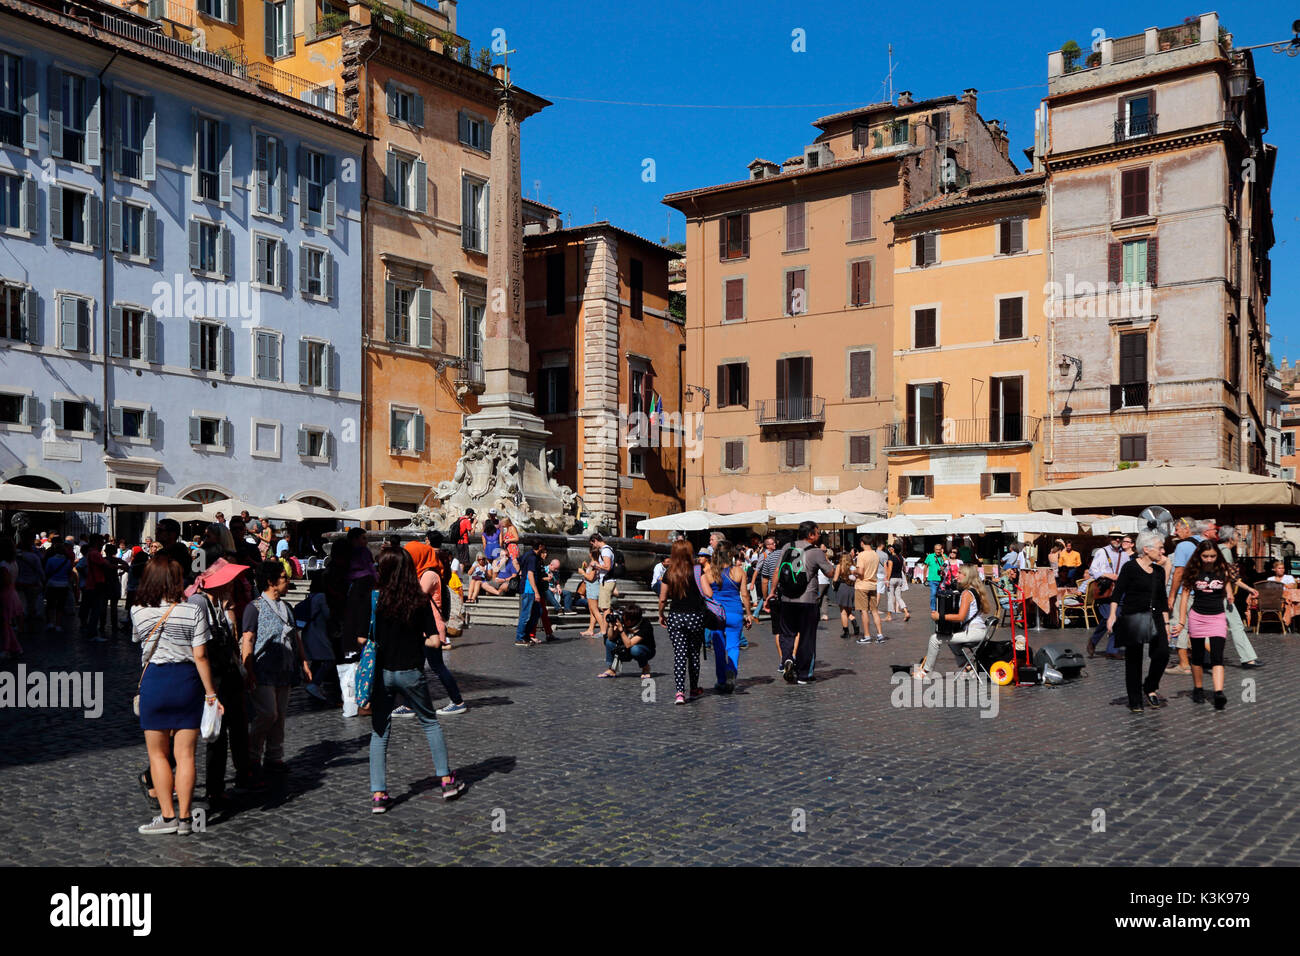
column 105, row 128
column 681, row 444
column 367, row 273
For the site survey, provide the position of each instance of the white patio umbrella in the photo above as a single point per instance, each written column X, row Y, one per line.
column 899, row 524
column 376, row 513
column 1102, row 525
column 823, row 516
column 123, row 499
column 1041, row 523
column 682, row 521
column 21, row 497
column 297, row 511
column 229, row 507
column 744, row 519
column 967, row 524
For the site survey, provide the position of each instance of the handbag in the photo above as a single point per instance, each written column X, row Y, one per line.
column 210, row 725
column 135, row 701
column 715, row 615
column 366, row 666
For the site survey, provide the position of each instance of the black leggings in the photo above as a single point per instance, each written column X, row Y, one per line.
column 1158, row 649
column 1216, row 651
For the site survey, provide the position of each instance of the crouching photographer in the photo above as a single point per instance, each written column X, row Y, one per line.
column 631, row 638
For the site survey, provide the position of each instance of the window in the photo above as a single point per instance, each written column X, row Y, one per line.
column 407, row 183
column 211, row 347
column 1133, row 262
column 279, row 28
column 1011, row 237
column 74, row 323
column 925, row 413
column 925, row 328
column 267, row 356
column 404, row 104
column 796, row 291
column 18, row 313
column 315, row 272
column 406, row 430
column 733, row 455
column 1132, row 447
column 859, row 449
column 733, row 300
column 133, row 334
column 208, row 159
column 860, row 374
column 794, row 452
column 269, row 265
column 225, row 10
column 556, row 457
column 131, row 229
column 408, row 315
column 69, row 93
column 1137, row 116
column 860, row 216
column 73, row 416
column 13, row 409
column 916, row 486
column 400, row 330
column 472, row 331
column 940, row 123
column 999, row 483
column 473, row 214
column 636, row 464
column 271, row 176
column 135, row 136
column 733, row 385
column 1011, row 318
column 925, row 250
column 475, row 131
column 265, row 437
column 1134, row 192
column 315, row 189
column 636, row 283
column 794, row 227
column 210, row 432
column 14, row 88
column 136, row 422
column 209, row 247
column 553, row 385
column 860, row 282
column 1006, row 409
column 74, row 216
column 17, row 203
column 555, row 283
column 733, row 236
column 794, row 388
column 1132, row 390
column 315, row 363
column 1288, row 443
column 314, row 443
column 636, row 390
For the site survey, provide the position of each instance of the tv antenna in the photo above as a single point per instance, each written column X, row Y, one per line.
column 888, row 86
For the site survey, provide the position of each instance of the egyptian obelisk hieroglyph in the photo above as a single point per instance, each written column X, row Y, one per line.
column 506, row 408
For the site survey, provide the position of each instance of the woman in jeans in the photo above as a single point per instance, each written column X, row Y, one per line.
column 429, row 571
column 1141, row 599
column 685, row 617
column 1206, row 619
column 58, row 578
column 897, row 568
column 176, row 682
column 404, row 626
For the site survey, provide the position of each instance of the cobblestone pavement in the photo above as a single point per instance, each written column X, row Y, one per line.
column 583, row 771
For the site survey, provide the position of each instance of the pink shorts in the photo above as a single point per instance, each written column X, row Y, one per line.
column 1201, row 626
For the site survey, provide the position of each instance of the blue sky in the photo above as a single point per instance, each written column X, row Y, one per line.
column 587, row 158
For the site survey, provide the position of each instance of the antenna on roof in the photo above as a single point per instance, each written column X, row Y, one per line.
column 888, row 85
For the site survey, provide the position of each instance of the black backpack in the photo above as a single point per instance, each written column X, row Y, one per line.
column 619, row 570
column 792, row 573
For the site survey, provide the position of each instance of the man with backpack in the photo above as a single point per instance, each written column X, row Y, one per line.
column 605, row 567
column 460, row 533
column 796, row 582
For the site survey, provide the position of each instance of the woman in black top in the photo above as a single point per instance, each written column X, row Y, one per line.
column 403, row 627
column 1206, row 620
column 1142, row 608
column 684, row 593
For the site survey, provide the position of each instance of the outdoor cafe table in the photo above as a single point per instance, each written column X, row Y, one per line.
column 1291, row 605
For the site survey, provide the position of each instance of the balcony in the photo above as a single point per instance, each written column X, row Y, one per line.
column 963, row 432
column 326, row 26
column 799, row 410
column 469, row 374
column 287, row 84
column 1132, row 395
column 1134, row 127
column 229, row 61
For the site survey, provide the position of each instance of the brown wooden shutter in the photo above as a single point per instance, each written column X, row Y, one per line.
column 1004, row 237
column 986, row 484
column 911, row 415
column 782, row 373
column 1018, row 235
column 744, row 385
column 722, row 238
column 735, row 299
column 938, row 412
column 859, row 374
column 929, row 486
column 794, row 228
column 1114, row 263
column 902, row 487
column 860, row 215
column 931, row 248
column 1133, row 358
column 1153, row 256
column 722, row 386
column 744, row 235
column 995, row 412
column 1015, row 483
column 1134, row 192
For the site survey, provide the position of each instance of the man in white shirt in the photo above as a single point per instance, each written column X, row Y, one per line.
column 605, row 567
column 1106, row 564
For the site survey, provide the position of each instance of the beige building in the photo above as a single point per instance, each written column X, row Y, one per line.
column 790, row 304
column 1158, row 198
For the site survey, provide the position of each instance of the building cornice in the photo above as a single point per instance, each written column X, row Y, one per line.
column 1132, row 149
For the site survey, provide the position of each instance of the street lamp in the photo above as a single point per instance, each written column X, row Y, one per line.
column 1069, row 361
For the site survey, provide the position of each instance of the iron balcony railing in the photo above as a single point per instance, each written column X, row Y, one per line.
column 469, row 372
column 288, row 84
column 229, row 61
column 1128, row 48
column 1134, row 127
column 333, row 23
column 801, row 409
column 1132, row 395
column 990, row 430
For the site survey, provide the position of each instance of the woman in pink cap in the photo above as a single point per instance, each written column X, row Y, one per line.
column 213, row 593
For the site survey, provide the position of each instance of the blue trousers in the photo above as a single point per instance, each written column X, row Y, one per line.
column 529, row 612
column 410, row 685
column 726, row 649
column 934, row 595
column 640, row 653
column 1103, row 614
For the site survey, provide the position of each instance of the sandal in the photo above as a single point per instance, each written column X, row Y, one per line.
column 606, row 674
column 1155, row 700
column 143, row 780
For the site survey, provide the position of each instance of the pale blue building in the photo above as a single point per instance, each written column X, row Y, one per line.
column 180, row 269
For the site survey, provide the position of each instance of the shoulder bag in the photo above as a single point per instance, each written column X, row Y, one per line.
column 157, row 629
column 366, row 666
column 715, row 615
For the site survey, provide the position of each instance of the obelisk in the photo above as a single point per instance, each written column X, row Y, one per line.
column 506, row 407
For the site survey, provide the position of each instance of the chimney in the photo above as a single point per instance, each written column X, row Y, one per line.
column 499, row 71
column 904, row 97
column 968, row 97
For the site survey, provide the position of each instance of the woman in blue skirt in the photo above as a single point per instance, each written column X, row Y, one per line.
column 728, row 581
column 175, row 683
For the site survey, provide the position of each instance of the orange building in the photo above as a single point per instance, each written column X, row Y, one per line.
column 969, row 355
column 791, row 301
column 401, row 73
column 605, row 351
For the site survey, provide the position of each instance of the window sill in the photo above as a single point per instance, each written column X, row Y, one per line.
column 133, row 180
column 405, row 453
column 130, row 440
column 732, row 321
column 479, row 150
column 205, row 274
column 86, row 436
column 75, row 164
column 264, row 287
column 14, row 232
column 203, row 200
column 1014, row 338
column 1011, row 255
column 314, row 459
column 139, row 260
column 859, row 305
column 74, row 246
column 269, row 216
column 16, row 427
column 734, row 259
column 266, row 455
column 925, row 348
column 1134, row 222
column 211, row 449
column 314, row 297
column 24, row 150
column 854, row 242
column 795, row 252
column 867, row 467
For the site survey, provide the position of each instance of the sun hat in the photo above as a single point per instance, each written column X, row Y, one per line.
column 221, row 573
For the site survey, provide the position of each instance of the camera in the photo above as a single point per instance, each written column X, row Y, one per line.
column 615, row 617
